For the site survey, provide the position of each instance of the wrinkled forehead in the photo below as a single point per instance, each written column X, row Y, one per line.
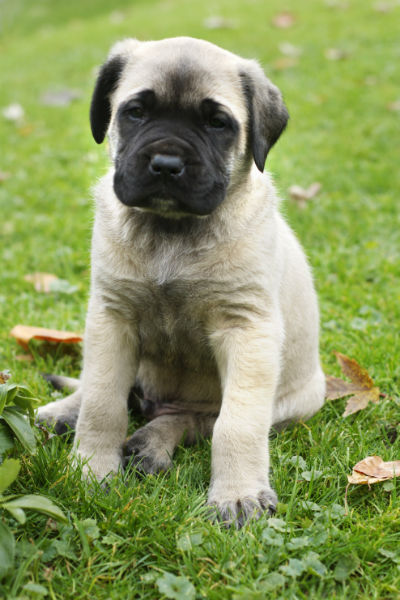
column 183, row 78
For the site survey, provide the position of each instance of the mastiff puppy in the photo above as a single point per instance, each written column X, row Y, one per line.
column 201, row 297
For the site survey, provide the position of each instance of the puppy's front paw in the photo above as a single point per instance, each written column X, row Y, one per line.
column 102, row 466
column 144, row 450
column 236, row 509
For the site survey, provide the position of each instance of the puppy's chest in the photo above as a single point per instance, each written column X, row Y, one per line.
column 170, row 318
column 171, row 326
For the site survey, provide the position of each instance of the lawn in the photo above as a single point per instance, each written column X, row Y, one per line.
column 339, row 77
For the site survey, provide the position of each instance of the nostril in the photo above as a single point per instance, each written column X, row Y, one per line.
column 166, row 164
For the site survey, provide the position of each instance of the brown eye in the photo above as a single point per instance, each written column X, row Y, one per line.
column 217, row 122
column 135, row 112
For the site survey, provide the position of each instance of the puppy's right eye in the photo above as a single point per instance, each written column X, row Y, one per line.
column 135, row 112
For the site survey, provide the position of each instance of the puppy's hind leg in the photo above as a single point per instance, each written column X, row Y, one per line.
column 62, row 414
column 302, row 403
column 151, row 447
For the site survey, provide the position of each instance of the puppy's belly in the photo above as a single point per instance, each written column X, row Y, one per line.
column 174, row 387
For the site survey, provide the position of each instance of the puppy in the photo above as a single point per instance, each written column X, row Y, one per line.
column 201, row 295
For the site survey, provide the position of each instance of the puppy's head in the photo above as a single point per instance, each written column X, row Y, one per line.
column 185, row 119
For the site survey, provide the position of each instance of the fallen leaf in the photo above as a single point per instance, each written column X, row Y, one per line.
column 25, row 130
column 337, row 4
column 373, row 470
column 285, row 62
column 284, row 20
column 361, row 389
column 25, row 333
column 302, row 195
column 13, row 112
column 394, row 105
column 218, row 23
column 117, row 17
column 383, row 7
column 4, row 375
column 24, row 357
column 4, row 175
column 41, row 281
column 62, row 97
column 289, row 49
column 336, row 54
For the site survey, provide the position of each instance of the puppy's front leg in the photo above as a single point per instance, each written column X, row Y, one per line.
column 248, row 359
column 109, row 370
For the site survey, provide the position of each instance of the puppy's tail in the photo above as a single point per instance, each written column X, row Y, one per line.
column 60, row 383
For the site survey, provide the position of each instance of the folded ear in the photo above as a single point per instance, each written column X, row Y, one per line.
column 267, row 113
column 107, row 81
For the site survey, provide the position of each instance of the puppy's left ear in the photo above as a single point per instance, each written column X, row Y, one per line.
column 106, row 83
column 267, row 113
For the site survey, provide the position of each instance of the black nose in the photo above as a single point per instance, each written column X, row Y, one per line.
column 166, row 164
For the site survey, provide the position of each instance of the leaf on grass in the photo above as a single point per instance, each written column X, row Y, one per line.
column 289, row 49
column 383, row 7
column 373, row 470
column 6, row 441
column 4, row 175
column 344, row 567
column 178, row 588
column 272, row 537
column 284, row 20
column 302, row 195
column 37, row 503
column 272, row 581
column 188, row 540
column 294, row 568
column 4, row 375
column 25, row 333
column 218, row 22
column 395, row 106
column 41, row 281
column 8, row 473
column 14, row 112
column 336, row 54
column 62, row 97
column 36, row 589
column 361, row 389
column 19, row 424
column 7, row 549
column 285, row 62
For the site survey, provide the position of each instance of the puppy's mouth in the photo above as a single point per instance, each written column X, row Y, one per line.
column 165, row 207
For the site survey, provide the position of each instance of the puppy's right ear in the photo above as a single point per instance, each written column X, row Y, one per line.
column 107, row 81
column 100, row 108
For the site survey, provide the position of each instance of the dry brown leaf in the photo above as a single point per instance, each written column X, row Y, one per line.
column 394, row 105
column 25, row 333
column 336, row 54
column 218, row 22
column 285, row 62
column 373, row 470
column 41, row 281
column 24, row 357
column 361, row 390
column 302, row 195
column 4, row 175
column 383, row 7
column 284, row 20
column 289, row 49
column 4, row 376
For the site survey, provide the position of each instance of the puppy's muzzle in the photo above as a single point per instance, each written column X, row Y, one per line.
column 166, row 166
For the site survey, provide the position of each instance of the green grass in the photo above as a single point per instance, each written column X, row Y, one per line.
column 342, row 134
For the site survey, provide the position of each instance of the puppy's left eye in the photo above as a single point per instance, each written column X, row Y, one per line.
column 217, row 121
